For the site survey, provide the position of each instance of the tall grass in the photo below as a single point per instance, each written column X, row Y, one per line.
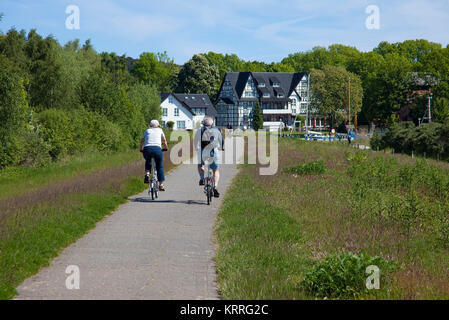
column 366, row 203
column 16, row 180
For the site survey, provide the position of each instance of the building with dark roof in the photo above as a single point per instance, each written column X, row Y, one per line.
column 186, row 110
column 281, row 96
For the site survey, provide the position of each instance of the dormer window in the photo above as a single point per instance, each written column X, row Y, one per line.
column 276, row 85
column 262, row 85
column 280, row 95
column 266, row 95
column 193, row 98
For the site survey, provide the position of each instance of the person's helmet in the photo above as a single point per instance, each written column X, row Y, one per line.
column 208, row 122
column 154, row 124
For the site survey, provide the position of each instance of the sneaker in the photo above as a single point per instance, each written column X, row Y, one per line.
column 146, row 179
column 216, row 194
column 161, row 187
column 201, row 182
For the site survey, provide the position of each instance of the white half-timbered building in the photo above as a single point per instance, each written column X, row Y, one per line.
column 281, row 96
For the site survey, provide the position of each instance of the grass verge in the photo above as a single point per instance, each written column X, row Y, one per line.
column 276, row 233
column 36, row 235
column 17, row 180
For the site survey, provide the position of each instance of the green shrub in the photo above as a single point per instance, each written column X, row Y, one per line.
column 343, row 275
column 95, row 131
column 57, row 131
column 429, row 139
column 314, row 167
column 170, row 125
column 79, row 130
column 33, row 149
column 107, row 136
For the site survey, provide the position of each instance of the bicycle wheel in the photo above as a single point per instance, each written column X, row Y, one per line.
column 208, row 194
column 152, row 190
column 155, row 183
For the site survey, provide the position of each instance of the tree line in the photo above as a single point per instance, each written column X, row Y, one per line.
column 58, row 100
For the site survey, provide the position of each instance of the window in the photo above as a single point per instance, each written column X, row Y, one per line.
column 262, row 85
column 180, row 124
column 293, row 102
column 176, row 112
column 163, row 124
column 266, row 95
column 193, row 98
column 280, row 95
column 164, row 112
column 276, row 85
column 198, row 111
column 171, row 100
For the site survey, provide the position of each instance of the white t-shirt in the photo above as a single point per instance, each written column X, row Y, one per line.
column 153, row 137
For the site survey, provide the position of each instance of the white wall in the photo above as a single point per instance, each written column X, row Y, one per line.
column 184, row 114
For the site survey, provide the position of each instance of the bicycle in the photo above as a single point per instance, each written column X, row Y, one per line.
column 209, row 185
column 154, row 182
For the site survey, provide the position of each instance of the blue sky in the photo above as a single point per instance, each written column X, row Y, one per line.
column 264, row 30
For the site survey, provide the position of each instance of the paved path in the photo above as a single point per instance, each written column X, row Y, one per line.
column 144, row 250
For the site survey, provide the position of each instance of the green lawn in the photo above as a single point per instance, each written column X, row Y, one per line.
column 278, row 233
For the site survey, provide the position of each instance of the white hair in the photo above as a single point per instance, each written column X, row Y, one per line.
column 154, row 124
column 208, row 122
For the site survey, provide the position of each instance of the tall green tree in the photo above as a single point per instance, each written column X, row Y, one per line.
column 156, row 69
column 388, row 89
column 12, row 46
column 44, row 89
column 198, row 76
column 148, row 99
column 13, row 112
column 330, row 93
column 257, row 117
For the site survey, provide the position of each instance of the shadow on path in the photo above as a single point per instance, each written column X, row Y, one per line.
column 168, row 201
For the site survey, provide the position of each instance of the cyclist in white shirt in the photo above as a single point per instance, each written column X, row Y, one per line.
column 151, row 147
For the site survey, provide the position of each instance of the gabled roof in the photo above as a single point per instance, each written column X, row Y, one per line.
column 190, row 101
column 287, row 83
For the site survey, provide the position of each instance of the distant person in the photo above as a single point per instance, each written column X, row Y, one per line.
column 229, row 126
column 349, row 137
column 151, row 147
column 208, row 139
